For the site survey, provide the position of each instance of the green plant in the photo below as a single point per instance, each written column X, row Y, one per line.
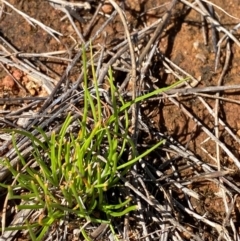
column 74, row 170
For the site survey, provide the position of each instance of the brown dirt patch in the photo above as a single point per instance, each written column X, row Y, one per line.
column 182, row 43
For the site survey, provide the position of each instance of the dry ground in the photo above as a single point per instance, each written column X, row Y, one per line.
column 184, row 119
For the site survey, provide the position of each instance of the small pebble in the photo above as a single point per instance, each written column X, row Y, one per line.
column 17, row 74
column 107, row 8
column 23, row 122
column 8, row 82
column 196, row 45
column 202, row 57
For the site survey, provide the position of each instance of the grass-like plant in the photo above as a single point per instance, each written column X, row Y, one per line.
column 73, row 171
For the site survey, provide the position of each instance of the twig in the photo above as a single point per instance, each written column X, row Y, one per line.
column 216, row 97
column 194, row 82
column 204, row 30
column 225, row 68
column 214, row 33
column 157, row 32
column 188, row 91
column 93, row 19
column 74, row 25
column 15, row 100
column 63, row 3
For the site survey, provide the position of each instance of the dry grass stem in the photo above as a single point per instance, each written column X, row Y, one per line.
column 187, row 188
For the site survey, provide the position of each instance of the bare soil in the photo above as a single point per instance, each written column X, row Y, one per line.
column 182, row 42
